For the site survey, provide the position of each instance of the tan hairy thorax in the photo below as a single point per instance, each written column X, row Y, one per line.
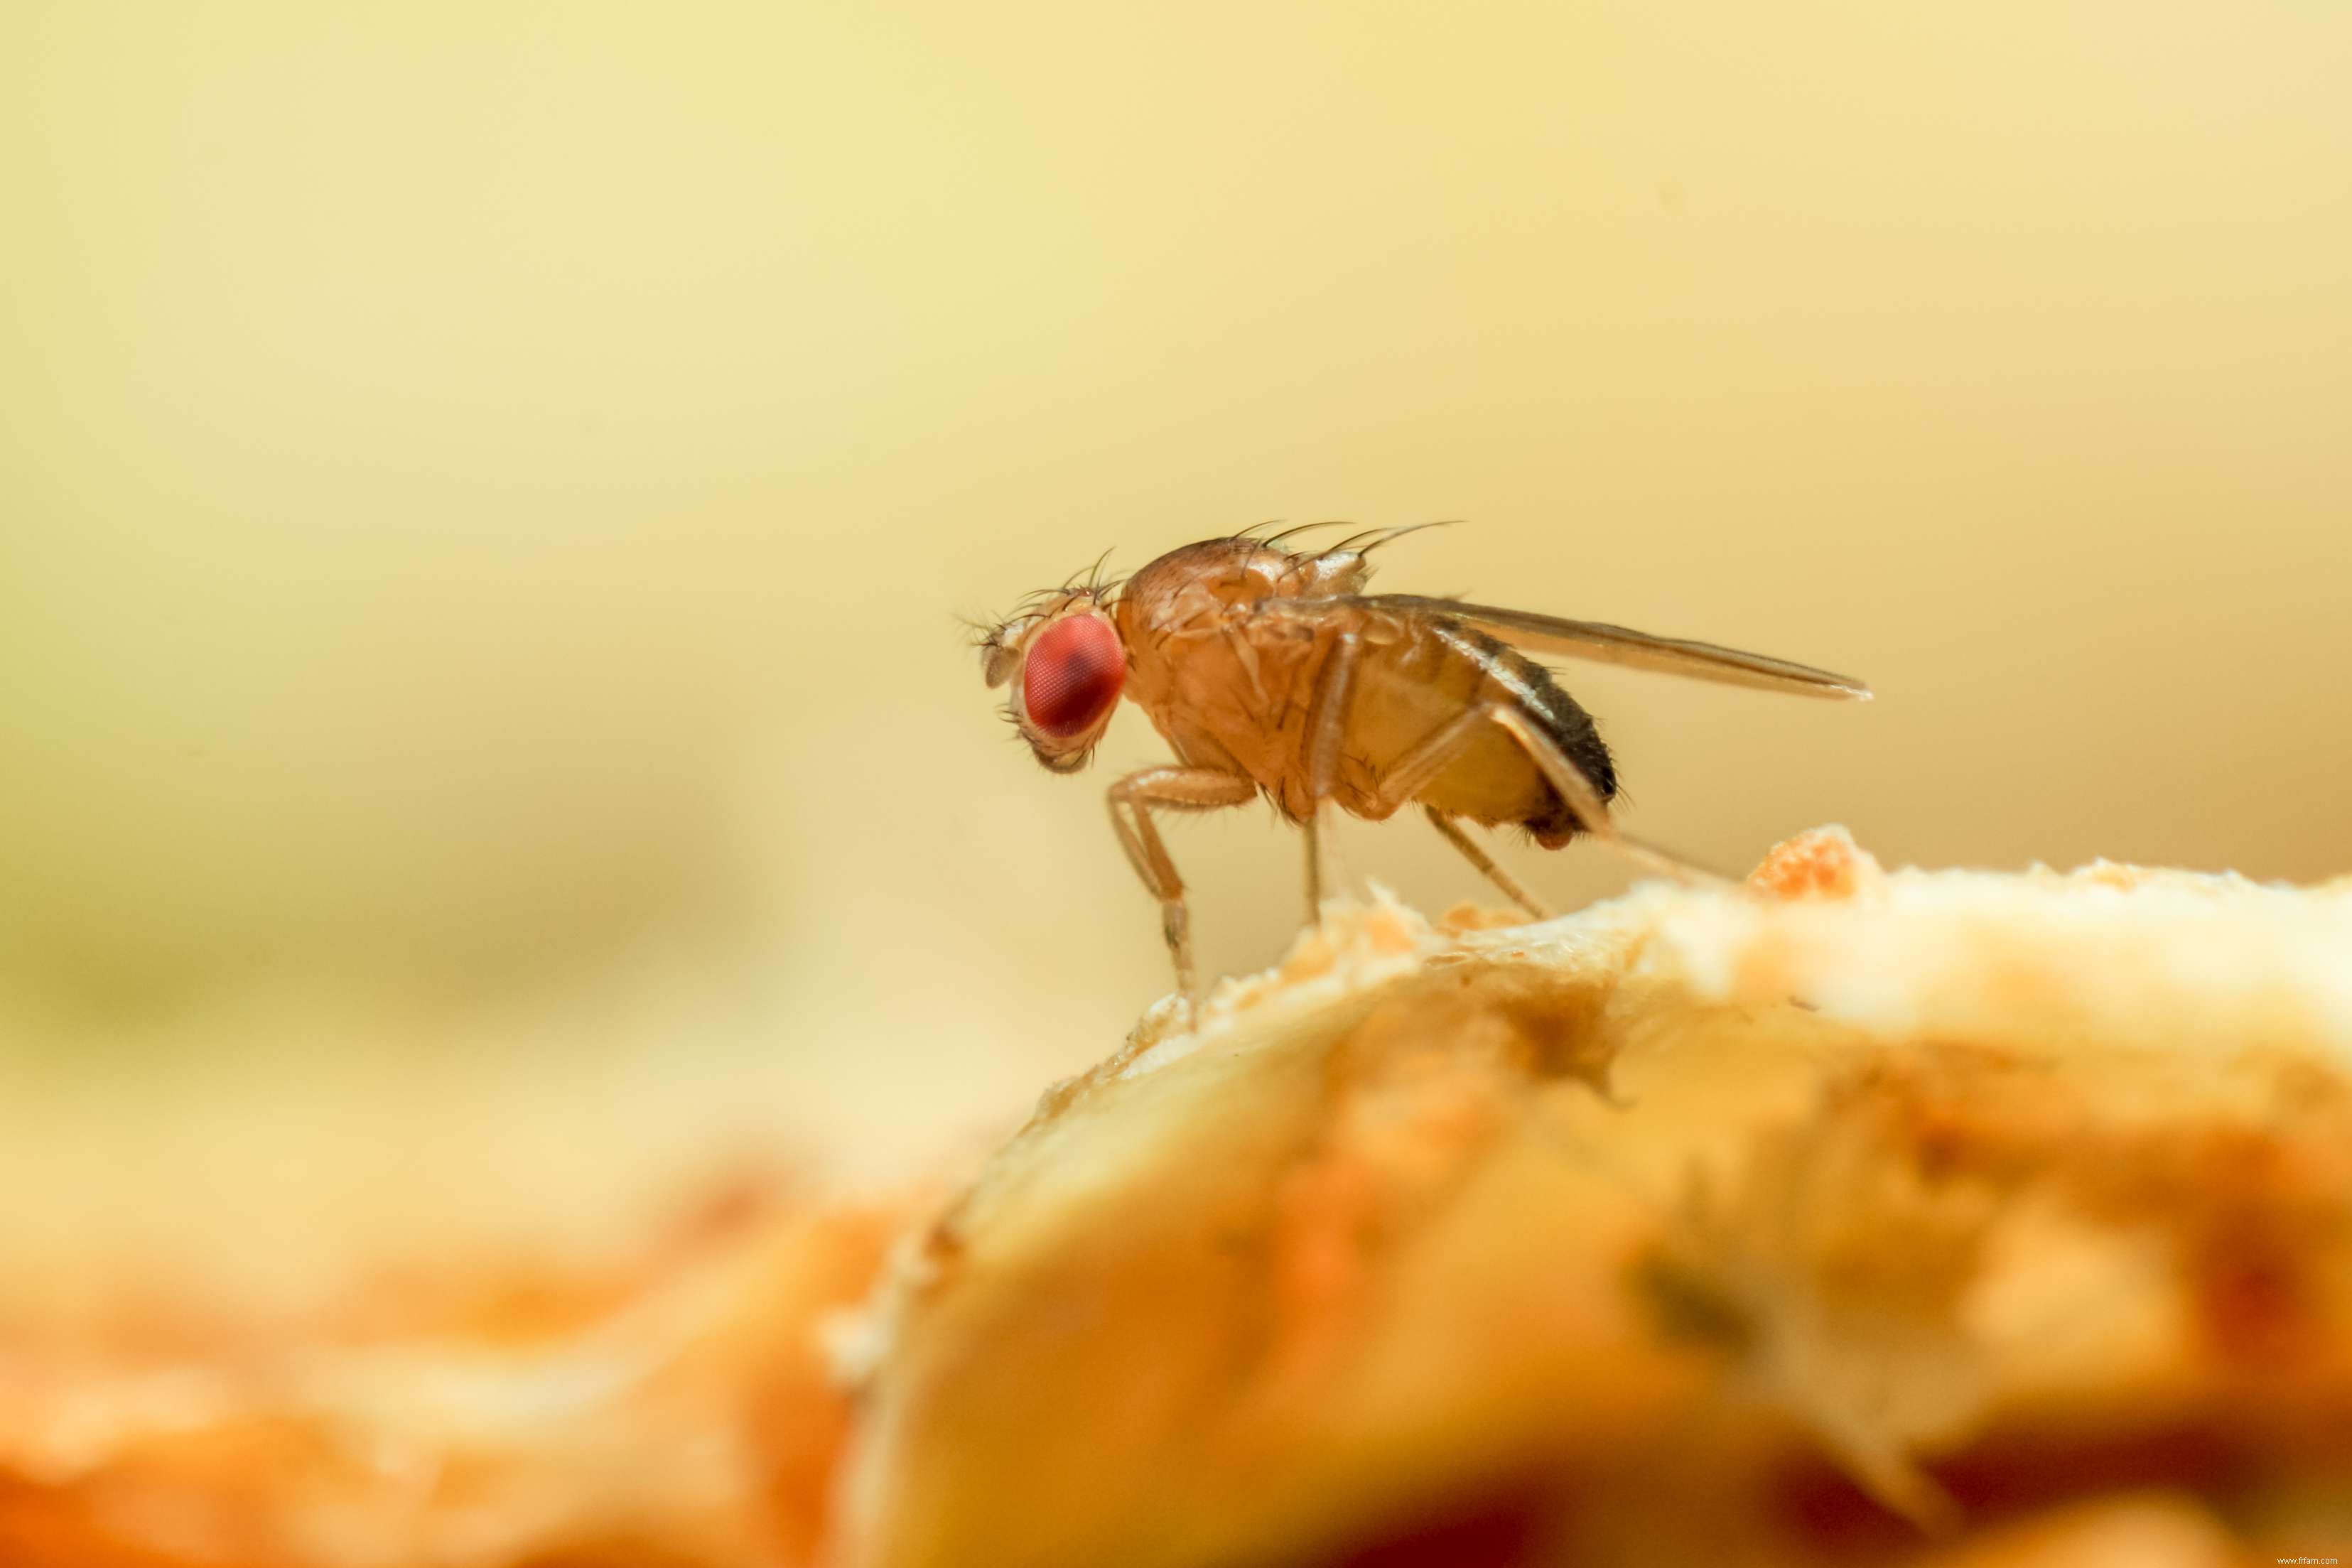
column 1228, row 681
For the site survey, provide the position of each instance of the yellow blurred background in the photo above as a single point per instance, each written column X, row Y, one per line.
column 486, row 489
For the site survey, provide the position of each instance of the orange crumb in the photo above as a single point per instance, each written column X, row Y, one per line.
column 1820, row 862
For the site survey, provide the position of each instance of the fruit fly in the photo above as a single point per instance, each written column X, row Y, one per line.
column 1269, row 670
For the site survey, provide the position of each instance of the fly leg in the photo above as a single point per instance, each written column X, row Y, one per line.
column 1132, row 800
column 1326, row 731
column 1409, row 774
column 1311, row 834
column 1590, row 812
column 1535, row 907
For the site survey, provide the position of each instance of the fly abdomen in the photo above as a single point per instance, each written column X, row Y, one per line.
column 1497, row 782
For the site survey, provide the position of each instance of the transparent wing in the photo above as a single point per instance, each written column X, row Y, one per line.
column 1533, row 634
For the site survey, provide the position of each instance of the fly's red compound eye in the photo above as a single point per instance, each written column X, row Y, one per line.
column 1071, row 675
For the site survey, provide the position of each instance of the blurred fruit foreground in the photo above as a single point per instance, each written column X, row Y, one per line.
column 486, row 488
column 1946, row 1219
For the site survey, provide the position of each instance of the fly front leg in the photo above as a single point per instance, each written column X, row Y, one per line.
column 1132, row 800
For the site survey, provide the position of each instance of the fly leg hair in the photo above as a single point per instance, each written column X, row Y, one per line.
column 1325, row 730
column 1132, row 800
column 1411, row 773
column 1590, row 812
column 1535, row 907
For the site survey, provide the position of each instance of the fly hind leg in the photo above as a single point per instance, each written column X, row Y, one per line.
column 1452, row 830
column 1590, row 812
column 1409, row 774
column 1132, row 800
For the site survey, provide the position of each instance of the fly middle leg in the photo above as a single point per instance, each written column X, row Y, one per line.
column 1325, row 730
